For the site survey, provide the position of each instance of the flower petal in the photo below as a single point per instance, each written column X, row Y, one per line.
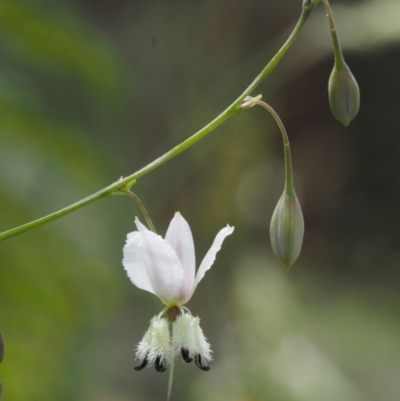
column 212, row 253
column 139, row 225
column 180, row 238
column 153, row 266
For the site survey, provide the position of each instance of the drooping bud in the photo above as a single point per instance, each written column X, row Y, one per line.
column 287, row 229
column 2, row 347
column 287, row 224
column 344, row 94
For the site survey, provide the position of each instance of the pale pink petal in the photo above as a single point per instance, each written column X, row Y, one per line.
column 180, row 238
column 211, row 254
column 152, row 265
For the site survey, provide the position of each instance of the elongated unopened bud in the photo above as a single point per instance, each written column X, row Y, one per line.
column 287, row 229
column 1, row 347
column 344, row 94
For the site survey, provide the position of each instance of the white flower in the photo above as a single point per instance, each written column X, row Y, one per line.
column 166, row 267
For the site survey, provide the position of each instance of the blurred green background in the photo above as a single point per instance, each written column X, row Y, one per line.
column 92, row 90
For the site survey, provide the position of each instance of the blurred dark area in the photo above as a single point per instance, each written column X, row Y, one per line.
column 94, row 90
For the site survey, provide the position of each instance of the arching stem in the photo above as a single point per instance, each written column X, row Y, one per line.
column 289, row 187
column 142, row 208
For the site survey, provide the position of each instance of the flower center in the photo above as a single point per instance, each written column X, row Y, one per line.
column 173, row 313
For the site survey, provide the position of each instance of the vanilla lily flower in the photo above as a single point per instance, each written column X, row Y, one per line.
column 167, row 268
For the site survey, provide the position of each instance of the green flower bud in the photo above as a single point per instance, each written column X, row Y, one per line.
column 1, row 348
column 287, row 224
column 344, row 94
column 287, row 229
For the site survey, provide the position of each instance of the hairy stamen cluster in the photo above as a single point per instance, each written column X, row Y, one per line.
column 155, row 346
column 158, row 348
column 190, row 341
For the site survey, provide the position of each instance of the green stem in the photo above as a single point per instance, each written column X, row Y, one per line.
column 123, row 183
column 171, row 368
column 336, row 44
column 142, row 209
column 289, row 187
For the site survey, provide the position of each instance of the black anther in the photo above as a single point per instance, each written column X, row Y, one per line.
column 185, row 355
column 200, row 364
column 143, row 364
column 159, row 365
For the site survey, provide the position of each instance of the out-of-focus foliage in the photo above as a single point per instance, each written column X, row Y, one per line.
column 45, row 38
column 90, row 91
column 290, row 340
column 52, row 291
